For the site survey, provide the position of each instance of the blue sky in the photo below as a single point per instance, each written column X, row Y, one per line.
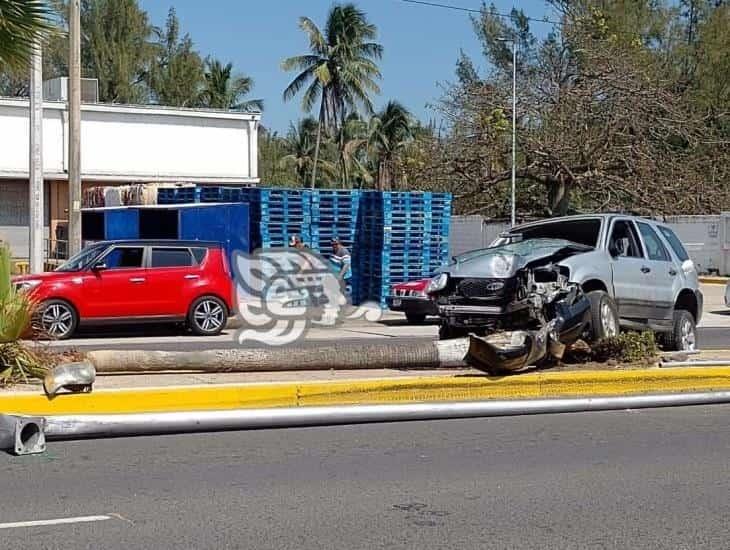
column 421, row 43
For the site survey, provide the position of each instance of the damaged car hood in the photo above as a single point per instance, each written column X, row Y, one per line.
column 506, row 260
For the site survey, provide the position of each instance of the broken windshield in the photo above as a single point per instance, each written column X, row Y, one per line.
column 584, row 231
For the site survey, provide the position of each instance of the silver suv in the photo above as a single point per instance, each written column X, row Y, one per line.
column 634, row 271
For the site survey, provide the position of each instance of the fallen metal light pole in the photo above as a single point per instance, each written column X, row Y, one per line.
column 22, row 435
column 698, row 363
column 117, row 425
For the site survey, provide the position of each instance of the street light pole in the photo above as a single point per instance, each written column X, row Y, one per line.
column 35, row 186
column 74, row 129
column 514, row 127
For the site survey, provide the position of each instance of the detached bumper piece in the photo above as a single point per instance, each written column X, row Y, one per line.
column 514, row 351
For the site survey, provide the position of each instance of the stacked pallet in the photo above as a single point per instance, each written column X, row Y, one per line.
column 334, row 215
column 401, row 236
column 179, row 194
column 393, row 236
column 277, row 215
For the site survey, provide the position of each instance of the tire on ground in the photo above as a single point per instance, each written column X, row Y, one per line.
column 601, row 301
column 675, row 340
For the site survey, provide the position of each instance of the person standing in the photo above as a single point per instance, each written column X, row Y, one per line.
column 341, row 259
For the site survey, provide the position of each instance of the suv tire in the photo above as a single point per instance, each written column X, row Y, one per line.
column 604, row 316
column 415, row 318
column 447, row 332
column 684, row 332
column 207, row 316
column 56, row 319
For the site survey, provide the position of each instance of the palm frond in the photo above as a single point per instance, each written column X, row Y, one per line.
column 317, row 41
column 250, row 106
column 311, row 95
column 301, row 62
column 298, row 83
column 21, row 23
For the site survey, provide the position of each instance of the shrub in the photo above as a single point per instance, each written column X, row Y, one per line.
column 627, row 347
column 17, row 362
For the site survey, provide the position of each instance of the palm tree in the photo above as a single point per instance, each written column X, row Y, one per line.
column 340, row 71
column 390, row 130
column 22, row 22
column 221, row 90
column 300, row 141
column 352, row 139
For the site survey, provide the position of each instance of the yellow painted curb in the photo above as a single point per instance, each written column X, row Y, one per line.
column 714, row 280
column 358, row 392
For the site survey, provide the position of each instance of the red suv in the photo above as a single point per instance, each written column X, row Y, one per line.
column 135, row 281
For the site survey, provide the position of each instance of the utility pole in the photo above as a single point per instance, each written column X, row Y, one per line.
column 74, row 128
column 35, row 186
column 514, row 129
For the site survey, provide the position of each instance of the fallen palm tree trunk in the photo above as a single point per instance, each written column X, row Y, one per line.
column 426, row 355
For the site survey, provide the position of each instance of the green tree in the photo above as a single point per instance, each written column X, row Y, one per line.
column 116, row 48
column 222, row 90
column 300, row 144
column 21, row 23
column 390, row 132
column 176, row 72
column 340, row 70
column 352, row 154
column 712, row 88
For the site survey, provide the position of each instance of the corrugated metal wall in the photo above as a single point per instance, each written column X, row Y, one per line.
column 14, row 212
column 705, row 238
column 472, row 232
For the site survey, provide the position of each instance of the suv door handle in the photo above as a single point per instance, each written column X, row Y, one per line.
column 191, row 277
column 672, row 272
column 645, row 269
column 136, row 279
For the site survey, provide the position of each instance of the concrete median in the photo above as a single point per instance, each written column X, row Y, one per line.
column 445, row 387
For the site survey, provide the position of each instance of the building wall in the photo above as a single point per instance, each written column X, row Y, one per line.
column 14, row 211
column 119, row 144
column 133, row 143
column 473, row 232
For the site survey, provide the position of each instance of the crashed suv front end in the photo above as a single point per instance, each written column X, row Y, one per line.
column 516, row 299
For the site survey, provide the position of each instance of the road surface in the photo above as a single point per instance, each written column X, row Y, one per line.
column 167, row 340
column 634, row 479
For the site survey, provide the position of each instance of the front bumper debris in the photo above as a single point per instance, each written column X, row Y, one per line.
column 511, row 351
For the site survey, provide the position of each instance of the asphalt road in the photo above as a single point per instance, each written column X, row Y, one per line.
column 165, row 340
column 634, row 479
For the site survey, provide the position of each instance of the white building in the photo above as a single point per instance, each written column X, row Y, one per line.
column 120, row 144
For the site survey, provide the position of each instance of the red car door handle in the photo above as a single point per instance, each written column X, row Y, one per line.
column 136, row 279
column 191, row 277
